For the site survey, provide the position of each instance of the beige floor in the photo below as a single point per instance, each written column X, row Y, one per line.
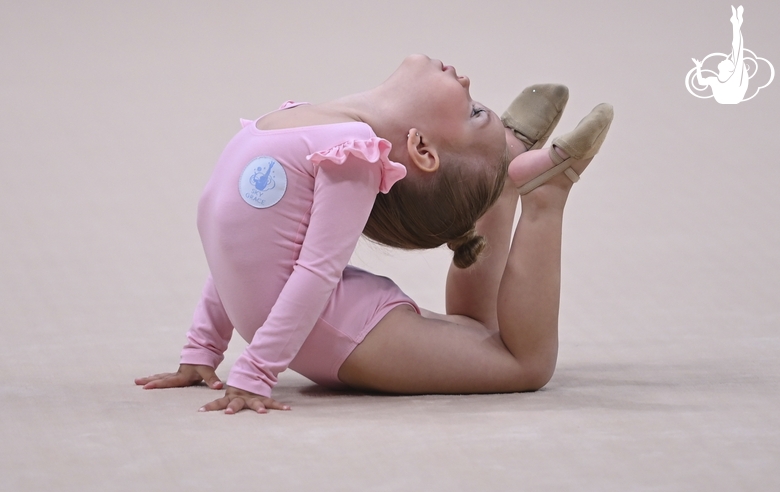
column 113, row 113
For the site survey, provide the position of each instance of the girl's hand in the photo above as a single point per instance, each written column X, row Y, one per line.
column 187, row 375
column 236, row 400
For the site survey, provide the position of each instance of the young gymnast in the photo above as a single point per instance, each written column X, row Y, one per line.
column 413, row 163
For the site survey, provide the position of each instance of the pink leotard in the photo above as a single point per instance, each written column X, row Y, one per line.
column 279, row 220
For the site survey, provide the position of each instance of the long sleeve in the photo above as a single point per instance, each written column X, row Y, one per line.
column 209, row 335
column 344, row 194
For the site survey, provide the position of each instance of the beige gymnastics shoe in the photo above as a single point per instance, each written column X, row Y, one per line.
column 533, row 114
column 581, row 143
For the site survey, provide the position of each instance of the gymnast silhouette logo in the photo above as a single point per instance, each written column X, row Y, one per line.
column 263, row 182
column 735, row 70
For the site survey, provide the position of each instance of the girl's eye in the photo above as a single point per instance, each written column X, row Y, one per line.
column 475, row 111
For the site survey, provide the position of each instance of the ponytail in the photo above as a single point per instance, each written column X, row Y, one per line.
column 467, row 248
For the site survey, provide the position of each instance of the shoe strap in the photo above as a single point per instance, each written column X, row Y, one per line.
column 561, row 166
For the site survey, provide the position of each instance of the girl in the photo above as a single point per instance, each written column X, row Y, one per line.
column 731, row 84
column 413, row 163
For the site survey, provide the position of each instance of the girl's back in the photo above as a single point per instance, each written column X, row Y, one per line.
column 255, row 212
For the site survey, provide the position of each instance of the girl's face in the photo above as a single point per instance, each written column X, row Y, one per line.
column 436, row 100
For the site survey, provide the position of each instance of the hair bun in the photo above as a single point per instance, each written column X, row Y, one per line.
column 467, row 248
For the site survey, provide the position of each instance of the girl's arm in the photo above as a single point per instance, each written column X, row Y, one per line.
column 209, row 335
column 207, row 341
column 701, row 80
column 343, row 197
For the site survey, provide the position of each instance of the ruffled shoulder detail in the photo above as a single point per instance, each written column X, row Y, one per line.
column 373, row 150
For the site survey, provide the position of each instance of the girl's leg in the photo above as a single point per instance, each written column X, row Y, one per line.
column 485, row 275
column 736, row 40
column 409, row 353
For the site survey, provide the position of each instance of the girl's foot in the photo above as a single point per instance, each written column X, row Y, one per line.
column 534, row 163
column 533, row 114
column 736, row 15
column 561, row 164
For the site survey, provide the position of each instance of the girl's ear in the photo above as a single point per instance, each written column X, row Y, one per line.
column 422, row 154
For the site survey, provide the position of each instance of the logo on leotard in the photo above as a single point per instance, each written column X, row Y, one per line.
column 730, row 84
column 263, row 182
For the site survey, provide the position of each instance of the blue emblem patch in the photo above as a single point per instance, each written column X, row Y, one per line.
column 263, row 182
